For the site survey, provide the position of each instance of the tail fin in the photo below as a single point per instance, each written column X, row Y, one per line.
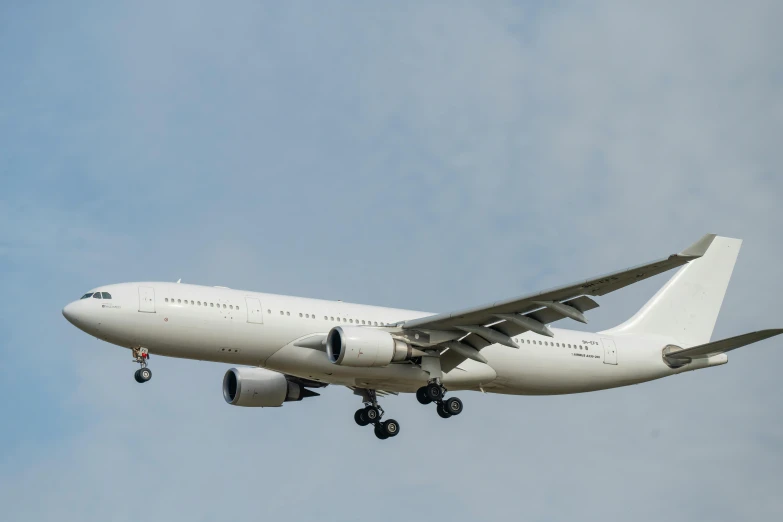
column 687, row 306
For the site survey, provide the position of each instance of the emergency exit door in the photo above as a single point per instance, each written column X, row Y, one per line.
column 146, row 299
column 610, row 351
column 254, row 310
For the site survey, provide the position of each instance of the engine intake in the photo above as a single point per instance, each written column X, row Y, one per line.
column 365, row 347
column 260, row 388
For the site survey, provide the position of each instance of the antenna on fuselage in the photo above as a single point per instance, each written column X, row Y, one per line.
column 179, row 280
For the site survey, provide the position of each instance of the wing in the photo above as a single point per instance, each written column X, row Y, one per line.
column 498, row 322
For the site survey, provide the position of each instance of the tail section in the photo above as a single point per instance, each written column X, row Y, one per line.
column 687, row 307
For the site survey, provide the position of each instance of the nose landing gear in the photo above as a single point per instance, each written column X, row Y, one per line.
column 140, row 356
column 372, row 413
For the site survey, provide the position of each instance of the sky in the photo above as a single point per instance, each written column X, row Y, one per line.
column 422, row 155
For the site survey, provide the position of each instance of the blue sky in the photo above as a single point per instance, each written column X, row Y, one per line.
column 423, row 155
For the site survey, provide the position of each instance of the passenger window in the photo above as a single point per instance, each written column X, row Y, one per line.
column 300, row 314
column 231, row 306
column 96, row 295
column 224, row 306
column 85, row 296
column 288, row 313
column 179, row 301
column 269, row 311
column 191, row 301
column 331, row 318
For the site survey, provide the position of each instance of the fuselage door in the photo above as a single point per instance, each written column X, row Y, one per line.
column 254, row 310
column 146, row 299
column 610, row 351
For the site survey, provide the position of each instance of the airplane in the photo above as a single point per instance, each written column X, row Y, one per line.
column 287, row 347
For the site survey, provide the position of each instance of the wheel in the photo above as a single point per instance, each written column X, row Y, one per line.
column 453, row 405
column 391, row 428
column 136, row 376
column 434, row 392
column 442, row 412
column 380, row 432
column 421, row 395
column 145, row 374
column 360, row 418
column 371, row 413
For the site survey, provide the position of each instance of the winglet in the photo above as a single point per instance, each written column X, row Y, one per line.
column 699, row 248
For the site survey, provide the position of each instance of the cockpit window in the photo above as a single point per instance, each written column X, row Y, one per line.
column 96, row 295
column 85, row 296
column 106, row 295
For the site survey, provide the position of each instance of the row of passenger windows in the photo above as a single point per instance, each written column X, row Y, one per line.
column 331, row 318
column 200, row 303
column 557, row 345
column 97, row 295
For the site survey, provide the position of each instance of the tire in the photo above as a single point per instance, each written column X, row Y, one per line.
column 371, row 414
column 391, row 428
column 145, row 374
column 380, row 432
column 434, row 392
column 360, row 418
column 442, row 413
column 453, row 406
column 136, row 376
column 421, row 396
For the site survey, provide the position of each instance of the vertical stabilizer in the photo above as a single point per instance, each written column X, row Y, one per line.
column 687, row 307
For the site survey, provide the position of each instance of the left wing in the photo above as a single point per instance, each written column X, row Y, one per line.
column 498, row 322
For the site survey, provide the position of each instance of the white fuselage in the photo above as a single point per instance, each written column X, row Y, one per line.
column 256, row 329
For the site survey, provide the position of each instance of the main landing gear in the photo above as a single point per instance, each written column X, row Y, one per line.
column 143, row 374
column 372, row 413
column 434, row 392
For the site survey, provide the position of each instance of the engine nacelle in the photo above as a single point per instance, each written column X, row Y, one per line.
column 257, row 387
column 365, row 347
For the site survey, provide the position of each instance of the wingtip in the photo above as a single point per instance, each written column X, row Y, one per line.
column 699, row 248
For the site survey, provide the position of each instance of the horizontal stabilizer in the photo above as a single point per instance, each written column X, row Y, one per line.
column 725, row 345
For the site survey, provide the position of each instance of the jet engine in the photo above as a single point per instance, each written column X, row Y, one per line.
column 257, row 387
column 366, row 347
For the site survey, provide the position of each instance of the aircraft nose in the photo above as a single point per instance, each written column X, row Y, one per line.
column 70, row 313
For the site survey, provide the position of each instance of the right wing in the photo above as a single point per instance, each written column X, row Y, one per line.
column 498, row 322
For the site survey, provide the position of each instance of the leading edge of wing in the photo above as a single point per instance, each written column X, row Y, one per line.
column 600, row 285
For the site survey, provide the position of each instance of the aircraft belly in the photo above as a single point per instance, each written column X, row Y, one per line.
column 542, row 371
column 404, row 377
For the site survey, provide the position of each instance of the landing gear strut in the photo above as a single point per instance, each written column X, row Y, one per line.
column 372, row 413
column 434, row 391
column 140, row 356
